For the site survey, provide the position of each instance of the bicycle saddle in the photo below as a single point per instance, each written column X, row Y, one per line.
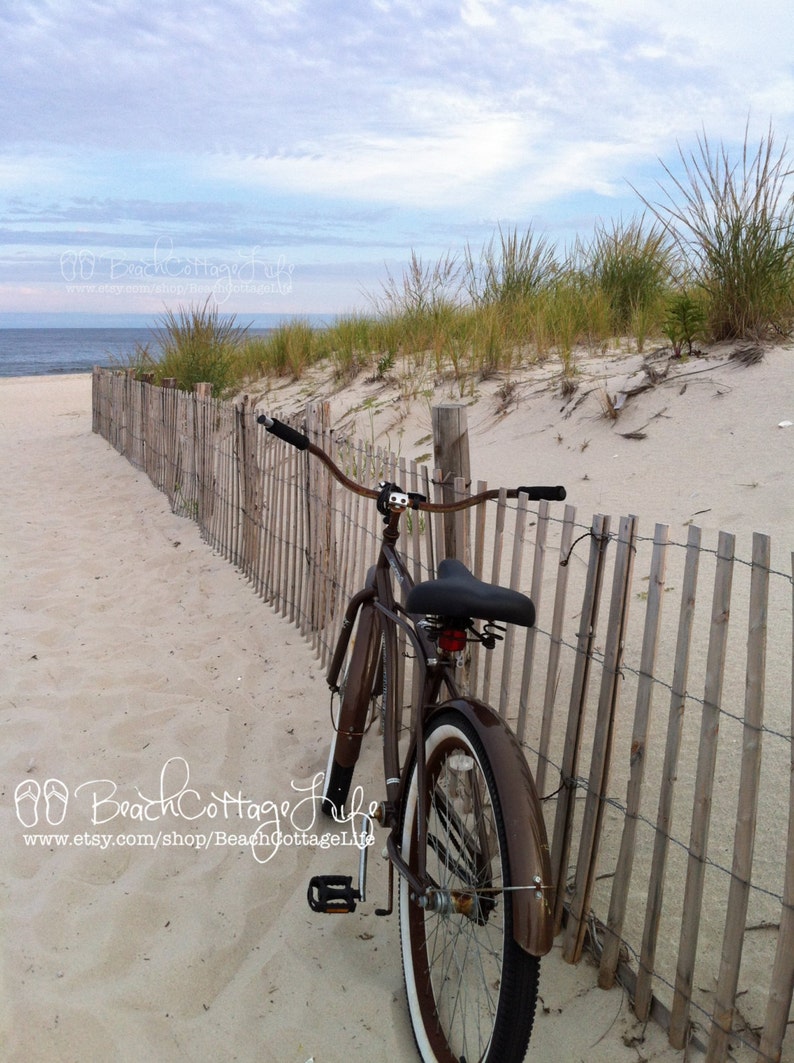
column 457, row 593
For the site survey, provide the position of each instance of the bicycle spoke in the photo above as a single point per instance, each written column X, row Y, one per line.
column 468, row 878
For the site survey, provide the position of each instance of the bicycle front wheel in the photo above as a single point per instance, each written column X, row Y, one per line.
column 471, row 989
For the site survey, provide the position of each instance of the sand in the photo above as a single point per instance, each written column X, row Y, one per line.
column 702, row 445
column 146, row 683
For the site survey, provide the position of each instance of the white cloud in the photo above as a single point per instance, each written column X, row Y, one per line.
column 431, row 115
column 433, row 168
column 478, row 13
column 42, row 171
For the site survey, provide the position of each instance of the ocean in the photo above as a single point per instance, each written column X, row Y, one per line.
column 40, row 351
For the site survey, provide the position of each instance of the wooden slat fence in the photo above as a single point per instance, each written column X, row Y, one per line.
column 661, row 733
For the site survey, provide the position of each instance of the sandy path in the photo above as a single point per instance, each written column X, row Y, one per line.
column 132, row 654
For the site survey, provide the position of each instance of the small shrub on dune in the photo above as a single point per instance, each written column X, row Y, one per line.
column 685, row 321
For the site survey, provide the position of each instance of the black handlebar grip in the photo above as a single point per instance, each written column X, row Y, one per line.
column 283, row 431
column 552, row 494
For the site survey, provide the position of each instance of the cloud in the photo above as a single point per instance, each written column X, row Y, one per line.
column 346, row 126
column 445, row 164
column 255, row 78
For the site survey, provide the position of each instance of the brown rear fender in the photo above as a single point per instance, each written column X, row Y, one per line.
column 528, row 846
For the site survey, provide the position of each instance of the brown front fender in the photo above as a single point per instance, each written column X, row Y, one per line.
column 528, row 847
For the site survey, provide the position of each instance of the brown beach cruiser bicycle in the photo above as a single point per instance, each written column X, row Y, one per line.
column 466, row 831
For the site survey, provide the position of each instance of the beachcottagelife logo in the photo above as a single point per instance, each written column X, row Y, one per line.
column 179, row 815
column 165, row 271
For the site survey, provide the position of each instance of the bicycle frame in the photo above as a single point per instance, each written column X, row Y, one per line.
column 532, row 924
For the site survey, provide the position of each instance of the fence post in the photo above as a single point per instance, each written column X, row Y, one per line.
column 451, row 456
column 664, row 819
column 128, row 415
column 318, row 515
column 535, row 591
column 563, row 819
column 496, row 562
column 202, row 395
column 515, row 580
column 637, row 758
column 249, row 478
column 593, row 816
column 704, row 787
column 552, row 667
column 782, row 988
column 747, row 815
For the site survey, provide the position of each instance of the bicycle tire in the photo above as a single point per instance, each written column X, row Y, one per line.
column 359, row 689
column 472, row 990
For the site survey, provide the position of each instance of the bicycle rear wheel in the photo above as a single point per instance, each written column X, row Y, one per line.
column 471, row 989
column 360, row 694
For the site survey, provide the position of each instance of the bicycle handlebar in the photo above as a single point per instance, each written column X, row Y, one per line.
column 283, row 431
column 301, row 442
column 535, row 494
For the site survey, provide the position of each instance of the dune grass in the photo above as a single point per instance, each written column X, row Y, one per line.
column 733, row 222
column 197, row 345
column 631, row 267
column 715, row 261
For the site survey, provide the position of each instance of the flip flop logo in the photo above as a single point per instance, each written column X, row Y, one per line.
column 78, row 265
column 28, row 798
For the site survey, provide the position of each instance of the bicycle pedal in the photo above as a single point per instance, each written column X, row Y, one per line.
column 333, row 894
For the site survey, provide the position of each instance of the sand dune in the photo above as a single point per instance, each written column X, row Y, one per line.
column 134, row 656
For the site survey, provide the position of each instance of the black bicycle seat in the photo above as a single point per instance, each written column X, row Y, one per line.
column 457, row 593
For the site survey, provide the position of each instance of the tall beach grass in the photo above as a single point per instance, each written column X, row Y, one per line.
column 197, row 345
column 733, row 222
column 713, row 261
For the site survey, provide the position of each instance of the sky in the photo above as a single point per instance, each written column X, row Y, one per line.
column 285, row 157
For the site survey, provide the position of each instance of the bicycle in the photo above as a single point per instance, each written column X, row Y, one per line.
column 466, row 832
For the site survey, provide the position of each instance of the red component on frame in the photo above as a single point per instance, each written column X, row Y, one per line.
column 452, row 640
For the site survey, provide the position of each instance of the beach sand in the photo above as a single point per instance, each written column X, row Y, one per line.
column 143, row 675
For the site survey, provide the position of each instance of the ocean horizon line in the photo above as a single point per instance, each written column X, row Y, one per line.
column 66, row 320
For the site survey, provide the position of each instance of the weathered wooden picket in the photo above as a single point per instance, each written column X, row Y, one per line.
column 672, row 834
